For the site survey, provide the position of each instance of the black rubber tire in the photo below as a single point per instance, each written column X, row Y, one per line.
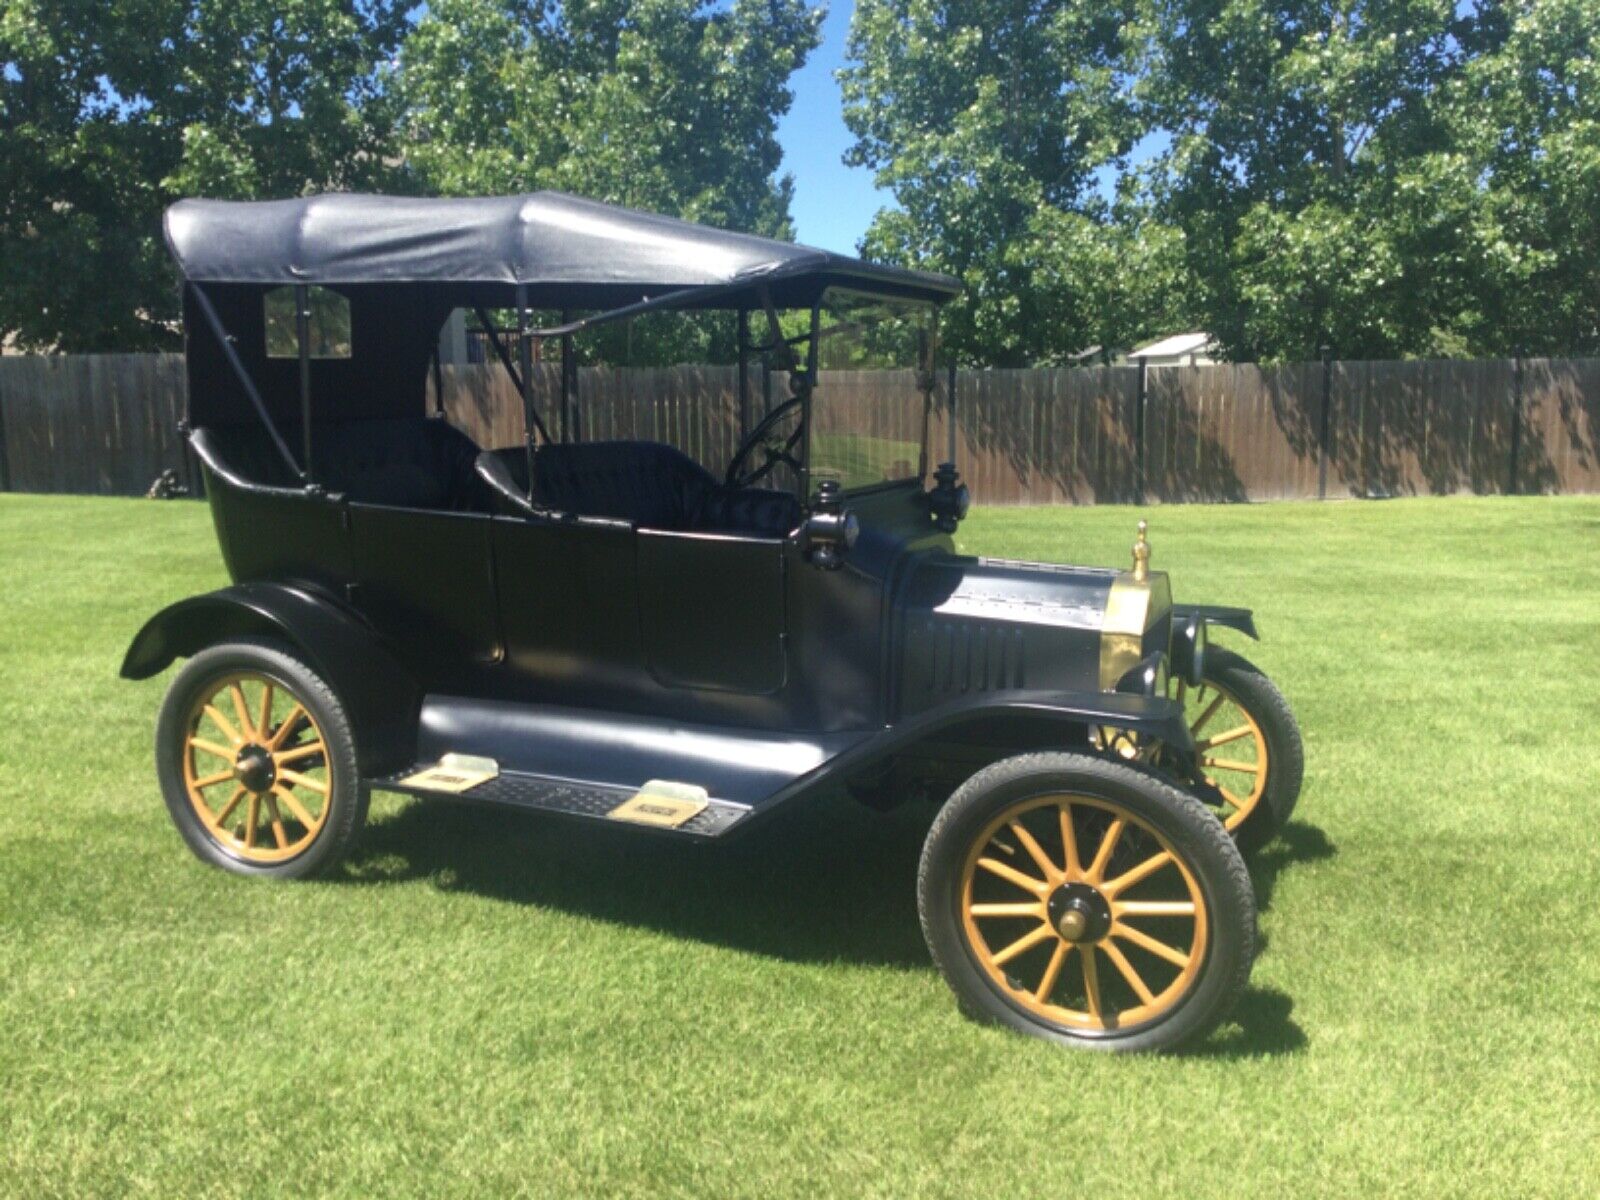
column 1286, row 756
column 348, row 798
column 1190, row 828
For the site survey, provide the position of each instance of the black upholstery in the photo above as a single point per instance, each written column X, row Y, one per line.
column 645, row 483
column 748, row 510
column 648, row 483
column 409, row 463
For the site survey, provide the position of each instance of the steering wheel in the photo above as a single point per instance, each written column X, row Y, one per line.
column 774, row 446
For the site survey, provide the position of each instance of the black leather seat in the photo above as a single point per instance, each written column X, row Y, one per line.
column 645, row 483
column 409, row 463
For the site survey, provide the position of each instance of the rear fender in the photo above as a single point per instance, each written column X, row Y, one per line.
column 382, row 699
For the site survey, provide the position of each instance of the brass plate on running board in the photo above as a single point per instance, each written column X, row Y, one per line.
column 662, row 802
column 454, row 773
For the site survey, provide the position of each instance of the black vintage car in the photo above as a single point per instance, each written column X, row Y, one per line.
column 600, row 627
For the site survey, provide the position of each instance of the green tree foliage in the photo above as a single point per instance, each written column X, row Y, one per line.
column 110, row 111
column 1527, row 116
column 664, row 105
column 1391, row 177
column 1313, row 168
column 990, row 122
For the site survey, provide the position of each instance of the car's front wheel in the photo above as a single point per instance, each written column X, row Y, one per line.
column 257, row 762
column 1247, row 743
column 1087, row 902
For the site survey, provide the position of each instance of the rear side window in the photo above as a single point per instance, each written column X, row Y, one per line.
column 330, row 324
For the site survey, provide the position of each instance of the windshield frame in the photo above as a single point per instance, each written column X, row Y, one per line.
column 926, row 383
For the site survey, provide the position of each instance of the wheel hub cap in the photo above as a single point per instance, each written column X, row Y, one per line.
column 255, row 769
column 1079, row 913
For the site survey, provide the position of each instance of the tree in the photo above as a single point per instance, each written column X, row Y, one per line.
column 1392, row 178
column 1314, row 170
column 110, row 112
column 664, row 105
column 1527, row 115
column 992, row 122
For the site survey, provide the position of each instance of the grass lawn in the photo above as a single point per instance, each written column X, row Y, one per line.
column 485, row 1004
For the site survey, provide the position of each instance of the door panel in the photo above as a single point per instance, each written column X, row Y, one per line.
column 569, row 609
column 711, row 610
column 426, row 579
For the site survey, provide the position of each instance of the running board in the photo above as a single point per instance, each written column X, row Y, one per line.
column 543, row 793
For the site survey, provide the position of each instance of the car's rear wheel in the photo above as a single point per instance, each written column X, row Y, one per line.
column 1087, row 902
column 257, row 762
column 1248, row 746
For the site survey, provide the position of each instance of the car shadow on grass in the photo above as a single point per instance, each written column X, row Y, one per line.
column 1260, row 1026
column 1298, row 842
column 826, row 882
column 1262, row 1023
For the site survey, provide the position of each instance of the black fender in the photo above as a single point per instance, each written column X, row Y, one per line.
column 1061, row 719
column 383, row 700
column 1241, row 619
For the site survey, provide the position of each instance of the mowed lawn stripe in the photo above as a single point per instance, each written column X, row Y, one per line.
column 485, row 1004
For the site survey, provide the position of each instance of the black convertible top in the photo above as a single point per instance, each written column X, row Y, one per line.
column 543, row 240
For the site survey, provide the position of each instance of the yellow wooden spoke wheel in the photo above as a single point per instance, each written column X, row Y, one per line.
column 257, row 762
column 256, row 768
column 1230, row 747
column 1088, row 901
column 1248, row 753
column 1083, row 913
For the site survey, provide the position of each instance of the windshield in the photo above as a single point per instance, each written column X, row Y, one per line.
column 868, row 416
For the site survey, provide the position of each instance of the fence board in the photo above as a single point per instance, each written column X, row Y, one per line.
column 106, row 424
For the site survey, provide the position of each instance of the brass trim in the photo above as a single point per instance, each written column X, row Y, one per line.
column 1133, row 608
column 1141, row 553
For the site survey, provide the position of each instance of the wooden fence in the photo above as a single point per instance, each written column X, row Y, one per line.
column 105, row 424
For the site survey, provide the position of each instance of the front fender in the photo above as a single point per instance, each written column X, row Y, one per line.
column 1241, row 619
column 382, row 699
column 1055, row 719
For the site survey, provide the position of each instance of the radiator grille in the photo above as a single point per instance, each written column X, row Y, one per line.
column 969, row 656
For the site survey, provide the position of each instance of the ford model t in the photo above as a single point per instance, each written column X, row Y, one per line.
column 589, row 622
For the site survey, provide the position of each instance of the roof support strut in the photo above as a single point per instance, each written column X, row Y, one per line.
column 504, row 356
column 302, row 332
column 525, row 356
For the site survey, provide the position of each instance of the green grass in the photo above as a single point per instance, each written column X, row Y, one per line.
column 486, row 1004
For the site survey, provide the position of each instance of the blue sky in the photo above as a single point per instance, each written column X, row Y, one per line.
column 833, row 203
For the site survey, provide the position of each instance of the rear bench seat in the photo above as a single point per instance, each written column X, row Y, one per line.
column 408, row 463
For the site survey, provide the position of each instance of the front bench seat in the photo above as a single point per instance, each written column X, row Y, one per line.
column 644, row 483
column 647, row 483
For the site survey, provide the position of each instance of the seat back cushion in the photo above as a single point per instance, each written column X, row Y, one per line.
column 761, row 511
column 647, row 483
column 410, row 462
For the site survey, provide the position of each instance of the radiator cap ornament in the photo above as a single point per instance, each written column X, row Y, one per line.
column 1141, row 555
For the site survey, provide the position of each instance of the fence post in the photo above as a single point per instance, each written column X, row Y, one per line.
column 1138, row 430
column 1326, row 425
column 1512, row 483
column 950, row 393
column 5, row 456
